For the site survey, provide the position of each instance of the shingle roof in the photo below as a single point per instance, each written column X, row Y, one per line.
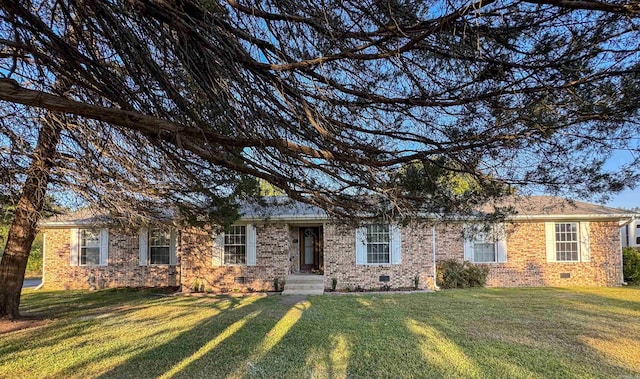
column 556, row 206
column 283, row 209
column 80, row 217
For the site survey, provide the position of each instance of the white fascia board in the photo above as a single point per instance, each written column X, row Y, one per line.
column 70, row 224
column 298, row 218
column 612, row 217
column 626, row 218
column 622, row 218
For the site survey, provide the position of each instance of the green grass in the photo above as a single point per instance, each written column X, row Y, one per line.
column 485, row 333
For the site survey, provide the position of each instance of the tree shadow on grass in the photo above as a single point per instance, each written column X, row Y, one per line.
column 210, row 348
column 89, row 326
column 388, row 336
column 486, row 333
column 338, row 338
column 543, row 333
column 61, row 304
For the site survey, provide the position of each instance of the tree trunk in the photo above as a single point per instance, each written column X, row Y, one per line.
column 25, row 222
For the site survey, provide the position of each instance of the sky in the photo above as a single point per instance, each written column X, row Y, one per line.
column 629, row 198
column 625, row 199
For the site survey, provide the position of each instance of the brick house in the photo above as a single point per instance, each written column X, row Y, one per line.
column 548, row 242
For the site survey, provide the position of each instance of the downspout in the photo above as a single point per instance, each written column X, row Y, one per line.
column 433, row 244
column 179, row 258
column 622, row 264
column 44, row 249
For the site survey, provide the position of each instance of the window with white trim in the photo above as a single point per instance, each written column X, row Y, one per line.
column 485, row 243
column 567, row 242
column 235, row 245
column 89, row 247
column 484, row 251
column 378, row 243
column 159, row 247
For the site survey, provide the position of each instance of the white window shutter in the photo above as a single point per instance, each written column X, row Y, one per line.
column 218, row 250
column 585, row 244
column 468, row 244
column 104, row 247
column 251, row 245
column 396, row 244
column 74, row 245
column 501, row 242
column 173, row 244
column 143, row 246
column 550, row 239
column 361, row 246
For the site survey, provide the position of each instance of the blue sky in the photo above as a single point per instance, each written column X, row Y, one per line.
column 626, row 199
column 629, row 198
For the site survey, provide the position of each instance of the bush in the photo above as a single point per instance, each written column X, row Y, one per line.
column 631, row 265
column 34, row 264
column 454, row 274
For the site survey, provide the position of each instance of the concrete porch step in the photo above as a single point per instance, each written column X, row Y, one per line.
column 300, row 284
column 302, row 292
column 304, row 286
column 305, row 279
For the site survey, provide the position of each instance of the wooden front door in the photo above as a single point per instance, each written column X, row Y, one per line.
column 309, row 248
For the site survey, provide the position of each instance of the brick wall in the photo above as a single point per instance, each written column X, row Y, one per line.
column 123, row 269
column 272, row 261
column 527, row 264
column 526, row 260
column 340, row 259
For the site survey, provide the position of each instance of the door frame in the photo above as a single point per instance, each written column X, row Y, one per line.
column 317, row 249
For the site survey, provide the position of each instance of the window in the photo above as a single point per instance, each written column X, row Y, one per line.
column 378, row 242
column 567, row 243
column 485, row 243
column 235, row 245
column 484, row 252
column 89, row 247
column 159, row 247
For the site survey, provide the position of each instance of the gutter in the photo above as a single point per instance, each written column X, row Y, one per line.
column 433, row 244
column 420, row 216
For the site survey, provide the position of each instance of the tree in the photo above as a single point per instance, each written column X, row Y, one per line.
column 187, row 102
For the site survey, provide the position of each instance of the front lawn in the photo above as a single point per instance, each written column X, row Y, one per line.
column 486, row 333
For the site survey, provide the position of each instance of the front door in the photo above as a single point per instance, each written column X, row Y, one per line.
column 310, row 248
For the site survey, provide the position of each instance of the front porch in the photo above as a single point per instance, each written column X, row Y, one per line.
column 304, row 284
column 306, row 275
column 307, row 249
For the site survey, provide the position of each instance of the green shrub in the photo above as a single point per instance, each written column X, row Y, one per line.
column 455, row 274
column 631, row 265
column 334, row 283
column 416, row 282
column 34, row 264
